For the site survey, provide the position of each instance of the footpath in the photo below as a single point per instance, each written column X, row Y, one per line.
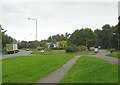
column 57, row 75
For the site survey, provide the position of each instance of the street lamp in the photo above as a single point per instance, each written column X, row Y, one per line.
column 36, row 26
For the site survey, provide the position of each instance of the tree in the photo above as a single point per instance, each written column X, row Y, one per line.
column 63, row 44
column 42, row 43
column 67, row 35
column 82, row 37
column 34, row 44
column 51, row 45
column 58, row 38
column 23, row 44
column 106, row 36
column 5, row 38
column 49, row 39
column 98, row 34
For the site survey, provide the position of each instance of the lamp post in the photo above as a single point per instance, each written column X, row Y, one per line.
column 36, row 26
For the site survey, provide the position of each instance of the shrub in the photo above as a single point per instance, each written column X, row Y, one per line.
column 92, row 48
column 82, row 48
column 56, row 48
column 72, row 49
column 112, row 50
column 47, row 49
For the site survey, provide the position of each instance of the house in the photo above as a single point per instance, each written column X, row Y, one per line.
column 55, row 45
column 48, row 44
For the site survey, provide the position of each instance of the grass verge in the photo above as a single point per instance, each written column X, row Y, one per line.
column 91, row 70
column 115, row 55
column 55, row 51
column 29, row 69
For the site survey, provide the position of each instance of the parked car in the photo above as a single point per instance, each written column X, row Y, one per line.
column 39, row 48
column 96, row 50
column 42, row 51
column 27, row 49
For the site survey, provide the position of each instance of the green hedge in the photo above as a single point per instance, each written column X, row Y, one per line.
column 72, row 49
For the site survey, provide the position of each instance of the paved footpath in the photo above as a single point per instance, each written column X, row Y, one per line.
column 57, row 75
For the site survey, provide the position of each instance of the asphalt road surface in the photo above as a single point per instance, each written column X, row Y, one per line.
column 102, row 54
column 20, row 53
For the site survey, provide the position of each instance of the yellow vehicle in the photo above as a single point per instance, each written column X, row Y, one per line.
column 10, row 48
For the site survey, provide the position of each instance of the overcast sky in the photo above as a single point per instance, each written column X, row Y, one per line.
column 55, row 16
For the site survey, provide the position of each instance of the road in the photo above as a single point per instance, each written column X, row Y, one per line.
column 101, row 54
column 20, row 53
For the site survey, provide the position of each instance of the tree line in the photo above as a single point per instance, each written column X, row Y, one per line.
column 58, row 38
column 107, row 37
column 32, row 44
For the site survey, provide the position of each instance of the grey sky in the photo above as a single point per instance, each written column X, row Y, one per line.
column 55, row 17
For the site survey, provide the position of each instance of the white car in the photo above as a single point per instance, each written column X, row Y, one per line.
column 96, row 50
column 42, row 51
column 27, row 49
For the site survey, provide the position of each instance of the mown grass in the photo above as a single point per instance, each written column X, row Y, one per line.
column 0, row 72
column 55, row 51
column 91, row 70
column 115, row 55
column 30, row 69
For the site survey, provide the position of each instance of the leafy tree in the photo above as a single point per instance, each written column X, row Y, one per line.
column 106, row 36
column 42, row 43
column 99, row 34
column 63, row 43
column 5, row 38
column 58, row 38
column 49, row 39
column 51, row 45
column 34, row 44
column 82, row 37
column 72, row 48
column 23, row 44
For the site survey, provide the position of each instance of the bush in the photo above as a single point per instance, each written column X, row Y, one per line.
column 82, row 48
column 92, row 48
column 71, row 49
column 47, row 49
column 56, row 48
column 112, row 50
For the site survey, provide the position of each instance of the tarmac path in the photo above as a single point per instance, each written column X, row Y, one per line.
column 57, row 75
